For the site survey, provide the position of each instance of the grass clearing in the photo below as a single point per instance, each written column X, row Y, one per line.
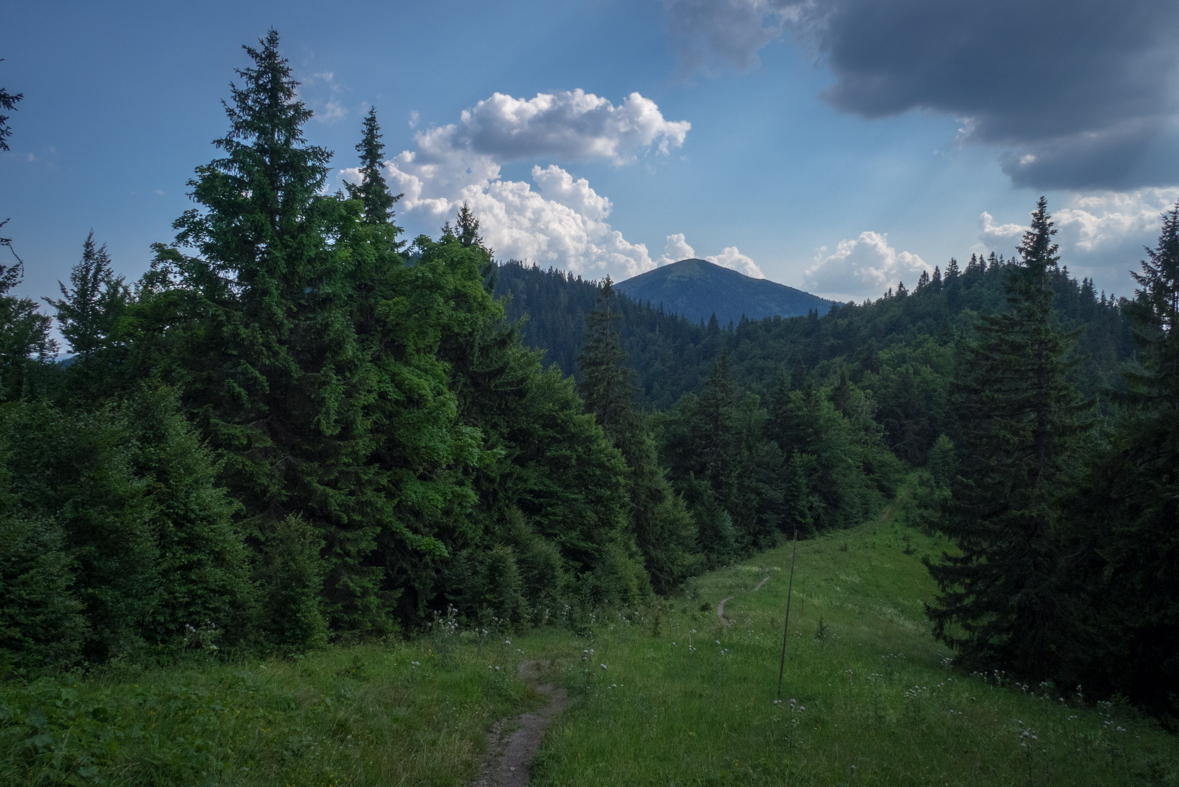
column 666, row 695
column 869, row 697
column 413, row 714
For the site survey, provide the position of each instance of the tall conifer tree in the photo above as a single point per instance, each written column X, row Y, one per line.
column 1021, row 422
column 272, row 366
column 1131, row 503
column 607, row 383
column 372, row 189
column 660, row 523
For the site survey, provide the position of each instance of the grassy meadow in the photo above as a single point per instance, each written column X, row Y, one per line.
column 410, row 714
column 868, row 696
column 665, row 695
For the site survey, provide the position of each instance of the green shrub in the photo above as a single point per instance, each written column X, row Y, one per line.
column 41, row 625
column 76, row 469
column 290, row 580
column 202, row 568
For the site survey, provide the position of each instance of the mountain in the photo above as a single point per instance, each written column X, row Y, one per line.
column 698, row 289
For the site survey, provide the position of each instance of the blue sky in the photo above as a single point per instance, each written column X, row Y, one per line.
column 838, row 146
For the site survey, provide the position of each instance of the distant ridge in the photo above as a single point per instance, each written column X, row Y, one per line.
column 697, row 289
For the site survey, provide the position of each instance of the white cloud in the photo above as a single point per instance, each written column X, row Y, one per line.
column 571, row 125
column 1095, row 223
column 677, row 249
column 864, row 267
column 414, row 118
column 561, row 223
column 1100, row 235
column 732, row 258
column 998, row 235
column 331, row 112
column 559, row 186
column 556, row 219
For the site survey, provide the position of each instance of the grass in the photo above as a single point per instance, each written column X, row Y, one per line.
column 868, row 698
column 412, row 714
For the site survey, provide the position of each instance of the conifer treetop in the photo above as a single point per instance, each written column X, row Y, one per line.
column 378, row 201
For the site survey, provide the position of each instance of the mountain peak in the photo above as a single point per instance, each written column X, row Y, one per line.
column 698, row 289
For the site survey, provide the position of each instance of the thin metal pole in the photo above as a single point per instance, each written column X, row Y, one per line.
column 786, row 626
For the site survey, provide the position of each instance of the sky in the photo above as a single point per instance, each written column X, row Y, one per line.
column 837, row 146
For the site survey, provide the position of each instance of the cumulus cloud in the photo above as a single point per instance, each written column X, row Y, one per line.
column 732, row 258
column 556, row 219
column 864, row 267
column 1101, row 236
column 677, row 249
column 570, row 125
column 1081, row 94
column 995, row 235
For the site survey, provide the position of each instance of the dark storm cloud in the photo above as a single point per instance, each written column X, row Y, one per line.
column 1081, row 94
column 1126, row 156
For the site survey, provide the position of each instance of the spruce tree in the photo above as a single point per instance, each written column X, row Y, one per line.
column 466, row 232
column 88, row 310
column 1154, row 314
column 27, row 350
column 1021, row 421
column 372, row 189
column 1131, row 505
column 270, row 363
column 467, row 228
column 8, row 102
column 659, row 521
column 607, row 383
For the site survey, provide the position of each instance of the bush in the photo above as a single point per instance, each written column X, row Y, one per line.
column 41, row 625
column 76, row 470
column 290, row 581
column 202, row 568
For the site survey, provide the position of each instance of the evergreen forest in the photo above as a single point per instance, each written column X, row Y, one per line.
column 302, row 429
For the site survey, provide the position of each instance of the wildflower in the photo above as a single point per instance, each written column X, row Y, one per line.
column 603, row 666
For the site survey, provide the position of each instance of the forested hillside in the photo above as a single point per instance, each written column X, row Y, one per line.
column 301, row 428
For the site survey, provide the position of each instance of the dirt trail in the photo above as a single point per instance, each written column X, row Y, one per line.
column 720, row 608
column 506, row 761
